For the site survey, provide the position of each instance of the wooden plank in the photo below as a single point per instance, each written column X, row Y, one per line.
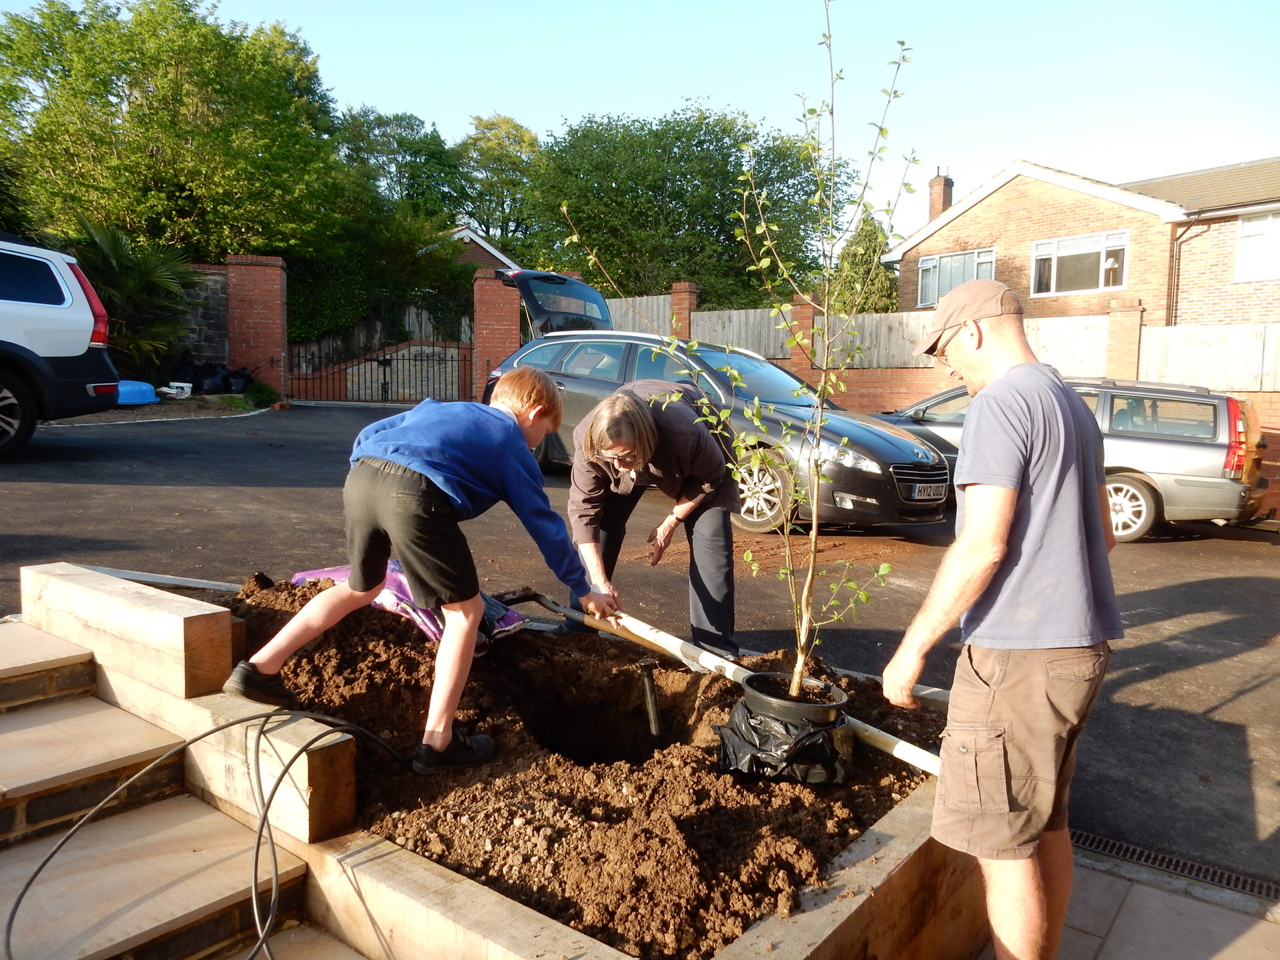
column 755, row 330
column 391, row 904
column 316, row 801
column 1227, row 357
column 168, row 641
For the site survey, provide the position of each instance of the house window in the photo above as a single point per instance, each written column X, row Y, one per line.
column 941, row 274
column 1258, row 248
column 1095, row 261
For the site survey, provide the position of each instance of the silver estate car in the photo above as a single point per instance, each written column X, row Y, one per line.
column 1172, row 452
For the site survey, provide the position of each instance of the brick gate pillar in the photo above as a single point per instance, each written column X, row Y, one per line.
column 257, row 326
column 496, row 326
column 801, row 320
column 684, row 300
column 1124, row 335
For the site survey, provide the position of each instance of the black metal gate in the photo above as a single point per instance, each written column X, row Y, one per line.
column 403, row 351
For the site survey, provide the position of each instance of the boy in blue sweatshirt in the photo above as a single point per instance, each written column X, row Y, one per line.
column 413, row 477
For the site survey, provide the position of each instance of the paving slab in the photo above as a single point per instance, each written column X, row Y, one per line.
column 127, row 880
column 1157, row 925
column 52, row 744
column 24, row 648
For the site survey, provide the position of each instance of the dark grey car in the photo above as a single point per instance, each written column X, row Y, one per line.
column 1172, row 452
column 870, row 472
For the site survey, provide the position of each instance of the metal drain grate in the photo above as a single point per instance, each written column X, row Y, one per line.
column 1263, row 889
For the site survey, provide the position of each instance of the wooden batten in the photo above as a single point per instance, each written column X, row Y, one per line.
column 170, row 642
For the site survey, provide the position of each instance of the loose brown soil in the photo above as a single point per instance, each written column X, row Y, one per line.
column 217, row 405
column 655, row 853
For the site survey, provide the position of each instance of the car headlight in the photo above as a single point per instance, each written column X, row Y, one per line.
column 829, row 452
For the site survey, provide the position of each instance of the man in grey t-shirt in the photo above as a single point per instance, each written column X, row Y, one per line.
column 1030, row 575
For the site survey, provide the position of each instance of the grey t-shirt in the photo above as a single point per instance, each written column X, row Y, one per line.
column 1030, row 432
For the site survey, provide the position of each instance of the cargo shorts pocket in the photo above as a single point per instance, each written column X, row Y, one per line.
column 975, row 776
column 1085, row 665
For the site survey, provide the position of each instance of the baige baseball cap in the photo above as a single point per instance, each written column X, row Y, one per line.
column 974, row 300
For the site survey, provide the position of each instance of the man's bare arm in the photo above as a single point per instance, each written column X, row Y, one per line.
column 966, row 570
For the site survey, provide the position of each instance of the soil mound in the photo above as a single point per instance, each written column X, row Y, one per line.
column 655, row 853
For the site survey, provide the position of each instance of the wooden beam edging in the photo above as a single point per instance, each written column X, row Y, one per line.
column 144, row 641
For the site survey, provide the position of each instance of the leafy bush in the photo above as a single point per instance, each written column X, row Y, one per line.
column 261, row 394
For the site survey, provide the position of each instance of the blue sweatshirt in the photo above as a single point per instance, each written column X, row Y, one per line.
column 477, row 455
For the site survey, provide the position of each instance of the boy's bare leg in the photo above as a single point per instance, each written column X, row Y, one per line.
column 453, row 664
column 1015, row 907
column 320, row 613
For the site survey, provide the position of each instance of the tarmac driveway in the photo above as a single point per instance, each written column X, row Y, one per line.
column 1182, row 755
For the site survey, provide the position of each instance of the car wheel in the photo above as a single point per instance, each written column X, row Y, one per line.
column 1134, row 509
column 766, row 490
column 17, row 414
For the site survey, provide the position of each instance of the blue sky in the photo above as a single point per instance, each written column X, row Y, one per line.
column 1117, row 90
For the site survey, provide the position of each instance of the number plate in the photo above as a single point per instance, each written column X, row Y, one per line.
column 928, row 491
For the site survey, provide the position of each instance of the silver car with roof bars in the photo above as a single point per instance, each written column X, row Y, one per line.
column 1172, row 452
column 870, row 472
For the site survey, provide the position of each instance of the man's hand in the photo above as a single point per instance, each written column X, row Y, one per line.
column 660, row 538
column 900, row 676
column 602, row 606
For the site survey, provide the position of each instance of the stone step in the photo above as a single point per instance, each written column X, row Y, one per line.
column 304, row 943
column 36, row 666
column 58, row 760
column 169, row 881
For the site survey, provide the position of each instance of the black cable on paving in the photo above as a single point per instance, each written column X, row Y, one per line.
column 1263, row 889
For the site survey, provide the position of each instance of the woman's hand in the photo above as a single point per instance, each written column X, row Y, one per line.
column 660, row 538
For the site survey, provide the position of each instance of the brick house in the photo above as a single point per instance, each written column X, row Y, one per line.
column 1200, row 247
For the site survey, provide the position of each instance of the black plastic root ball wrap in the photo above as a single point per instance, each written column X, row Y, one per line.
column 765, row 746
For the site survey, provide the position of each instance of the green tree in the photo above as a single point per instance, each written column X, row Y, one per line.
column 142, row 287
column 654, row 197
column 411, row 164
column 15, row 213
column 498, row 160
column 157, row 119
column 864, row 284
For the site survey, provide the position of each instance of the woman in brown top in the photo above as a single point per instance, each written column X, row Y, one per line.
column 648, row 435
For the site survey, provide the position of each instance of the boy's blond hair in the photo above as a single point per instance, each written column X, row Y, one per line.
column 524, row 388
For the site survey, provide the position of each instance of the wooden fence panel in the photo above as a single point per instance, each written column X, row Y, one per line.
column 1077, row 346
column 746, row 329
column 642, row 314
column 1228, row 357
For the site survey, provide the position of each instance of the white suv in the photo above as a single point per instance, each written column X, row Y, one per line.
column 53, row 342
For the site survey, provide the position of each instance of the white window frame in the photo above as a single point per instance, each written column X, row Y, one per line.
column 985, row 255
column 1080, row 243
column 1258, row 248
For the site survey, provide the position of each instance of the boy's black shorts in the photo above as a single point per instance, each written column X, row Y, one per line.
column 387, row 504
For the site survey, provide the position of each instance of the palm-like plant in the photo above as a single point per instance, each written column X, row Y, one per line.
column 142, row 286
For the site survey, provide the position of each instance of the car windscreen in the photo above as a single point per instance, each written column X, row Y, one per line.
column 577, row 298
column 760, row 378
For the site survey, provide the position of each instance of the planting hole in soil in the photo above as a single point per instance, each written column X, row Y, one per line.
column 654, row 852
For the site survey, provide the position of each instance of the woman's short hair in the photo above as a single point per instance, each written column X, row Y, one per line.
column 524, row 388
column 621, row 419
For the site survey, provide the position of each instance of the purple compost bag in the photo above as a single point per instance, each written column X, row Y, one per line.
column 498, row 621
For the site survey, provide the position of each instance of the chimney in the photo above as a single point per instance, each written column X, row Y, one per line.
column 939, row 195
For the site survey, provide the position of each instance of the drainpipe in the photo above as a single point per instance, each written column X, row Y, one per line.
column 1181, row 238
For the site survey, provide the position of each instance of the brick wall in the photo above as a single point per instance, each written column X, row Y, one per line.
column 1207, row 291
column 257, row 332
column 1025, row 210
column 496, row 325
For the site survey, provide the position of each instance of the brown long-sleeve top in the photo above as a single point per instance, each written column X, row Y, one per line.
column 688, row 460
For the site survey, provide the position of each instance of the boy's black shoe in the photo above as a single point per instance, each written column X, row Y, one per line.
column 462, row 751
column 245, row 681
